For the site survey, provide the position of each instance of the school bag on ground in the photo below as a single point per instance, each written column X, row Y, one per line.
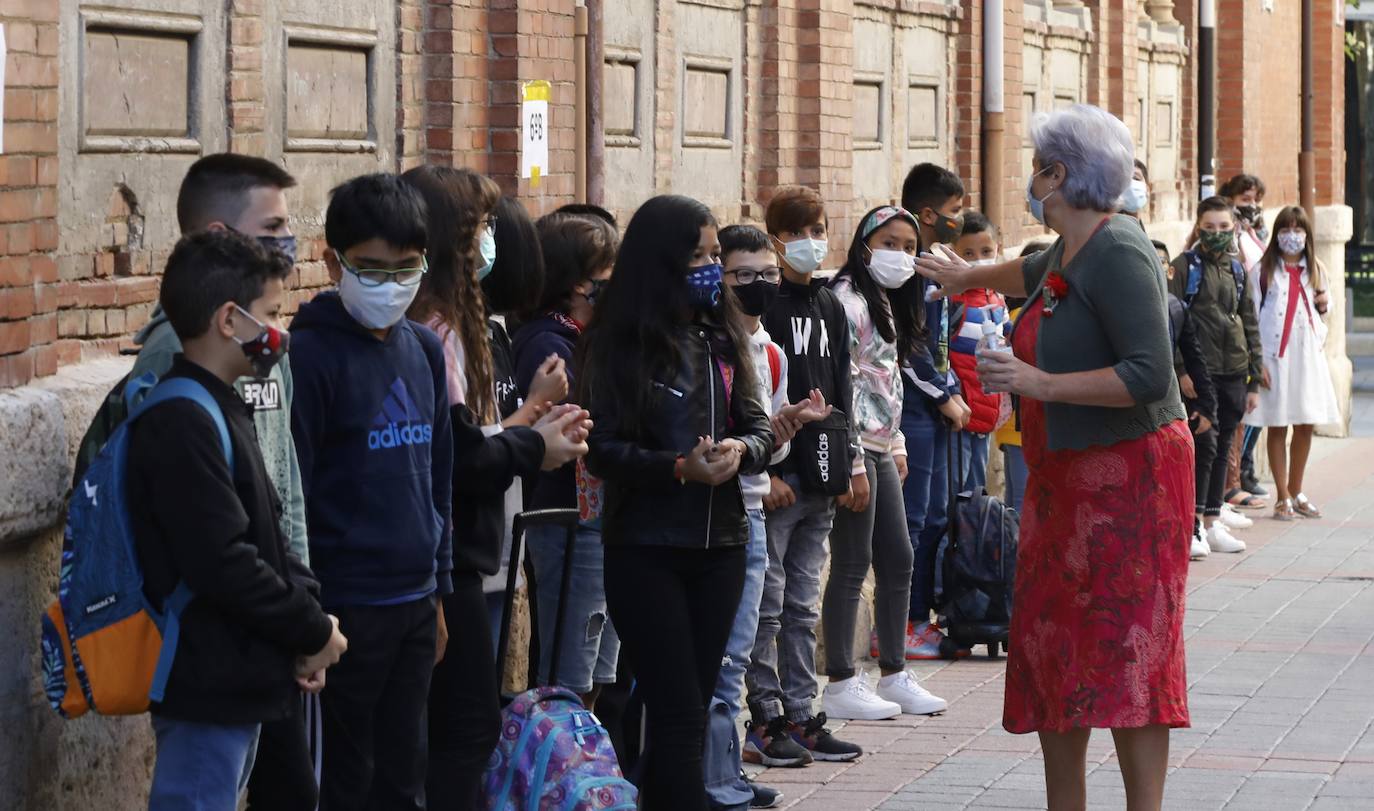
column 976, row 568
column 105, row 647
column 553, row 753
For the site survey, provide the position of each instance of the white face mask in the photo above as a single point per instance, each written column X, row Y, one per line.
column 806, row 255
column 1292, row 242
column 891, row 269
column 379, row 307
column 486, row 246
column 1136, row 198
column 984, row 262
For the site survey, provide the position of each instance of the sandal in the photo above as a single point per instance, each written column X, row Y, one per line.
column 1305, row 508
column 1244, row 500
column 1283, row 510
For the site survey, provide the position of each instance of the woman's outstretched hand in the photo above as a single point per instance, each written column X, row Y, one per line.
column 944, row 267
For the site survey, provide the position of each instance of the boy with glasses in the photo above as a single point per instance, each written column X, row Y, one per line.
column 372, row 430
column 753, row 275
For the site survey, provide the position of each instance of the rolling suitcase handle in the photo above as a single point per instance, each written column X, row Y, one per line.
column 953, row 485
column 523, row 521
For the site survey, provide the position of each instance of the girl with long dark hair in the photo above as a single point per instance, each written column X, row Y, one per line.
column 464, row 713
column 666, row 373
column 1292, row 332
column 883, row 302
column 578, row 252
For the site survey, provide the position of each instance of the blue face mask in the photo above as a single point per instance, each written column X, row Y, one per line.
column 703, row 286
column 486, row 246
column 286, row 245
column 1037, row 206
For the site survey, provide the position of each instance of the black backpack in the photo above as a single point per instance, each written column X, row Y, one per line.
column 976, row 568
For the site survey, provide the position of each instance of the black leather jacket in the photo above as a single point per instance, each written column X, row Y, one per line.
column 645, row 503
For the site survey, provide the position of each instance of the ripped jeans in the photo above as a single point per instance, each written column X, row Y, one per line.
column 590, row 646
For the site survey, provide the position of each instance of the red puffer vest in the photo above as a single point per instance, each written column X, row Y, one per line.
column 965, row 330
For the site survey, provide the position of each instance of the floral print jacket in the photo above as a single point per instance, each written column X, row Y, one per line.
column 875, row 377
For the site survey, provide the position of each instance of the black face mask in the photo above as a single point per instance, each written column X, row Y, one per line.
column 597, row 286
column 755, row 298
column 948, row 229
column 1252, row 214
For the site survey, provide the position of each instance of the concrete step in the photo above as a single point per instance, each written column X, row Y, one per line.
column 1362, row 324
column 1360, row 344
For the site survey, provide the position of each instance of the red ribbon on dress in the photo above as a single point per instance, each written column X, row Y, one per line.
column 1295, row 289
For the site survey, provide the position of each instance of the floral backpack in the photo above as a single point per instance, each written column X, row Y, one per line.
column 554, row 755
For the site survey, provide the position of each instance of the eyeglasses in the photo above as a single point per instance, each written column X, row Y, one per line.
column 772, row 275
column 489, row 223
column 376, row 277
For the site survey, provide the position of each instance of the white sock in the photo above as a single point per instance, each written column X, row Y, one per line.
column 886, row 680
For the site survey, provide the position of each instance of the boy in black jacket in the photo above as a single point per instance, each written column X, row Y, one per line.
column 1202, row 409
column 809, row 324
column 252, row 635
column 372, row 430
column 1213, row 286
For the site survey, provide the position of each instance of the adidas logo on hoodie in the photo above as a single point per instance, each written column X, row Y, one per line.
column 399, row 422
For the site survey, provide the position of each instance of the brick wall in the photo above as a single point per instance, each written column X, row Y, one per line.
column 28, row 200
column 1271, row 87
column 531, row 40
column 459, row 66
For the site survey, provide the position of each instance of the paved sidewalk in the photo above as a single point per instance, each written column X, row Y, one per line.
column 1280, row 673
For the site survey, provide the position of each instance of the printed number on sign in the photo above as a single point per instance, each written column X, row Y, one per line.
column 537, row 126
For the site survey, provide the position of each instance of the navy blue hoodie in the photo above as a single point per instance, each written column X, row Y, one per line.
column 533, row 343
column 926, row 381
column 371, row 424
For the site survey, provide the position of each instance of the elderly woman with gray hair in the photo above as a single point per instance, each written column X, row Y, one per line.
column 1096, row 634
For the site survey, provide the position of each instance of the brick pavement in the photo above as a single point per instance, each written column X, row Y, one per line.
column 1280, row 670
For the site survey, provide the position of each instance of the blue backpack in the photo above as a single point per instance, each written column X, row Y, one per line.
column 1194, row 282
column 105, row 647
column 554, row 755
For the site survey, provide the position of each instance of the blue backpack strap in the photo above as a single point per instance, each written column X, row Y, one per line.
column 1194, row 277
column 184, row 388
column 1238, row 273
column 136, row 389
column 178, row 388
column 171, row 631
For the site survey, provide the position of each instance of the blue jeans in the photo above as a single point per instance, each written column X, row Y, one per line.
column 590, row 645
column 721, row 757
column 201, row 767
column 975, row 472
column 926, row 495
column 1015, row 463
column 782, row 670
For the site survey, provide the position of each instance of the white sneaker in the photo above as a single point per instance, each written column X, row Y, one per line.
column 1199, row 549
column 1219, row 539
column 1232, row 518
column 853, row 700
column 903, row 690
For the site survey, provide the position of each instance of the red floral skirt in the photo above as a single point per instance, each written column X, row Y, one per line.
column 1102, row 569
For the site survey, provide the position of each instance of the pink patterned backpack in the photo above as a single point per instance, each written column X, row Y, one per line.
column 554, row 755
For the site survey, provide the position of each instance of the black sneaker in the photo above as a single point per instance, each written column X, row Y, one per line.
column 816, row 739
column 771, row 746
column 764, row 797
column 1252, row 486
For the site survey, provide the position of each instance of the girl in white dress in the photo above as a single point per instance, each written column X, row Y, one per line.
column 1292, row 333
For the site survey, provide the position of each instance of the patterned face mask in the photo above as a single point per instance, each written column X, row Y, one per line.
column 703, row 286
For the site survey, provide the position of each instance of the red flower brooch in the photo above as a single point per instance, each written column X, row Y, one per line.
column 1056, row 290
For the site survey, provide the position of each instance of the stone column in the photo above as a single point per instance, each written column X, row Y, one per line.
column 1161, row 11
column 1334, row 226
